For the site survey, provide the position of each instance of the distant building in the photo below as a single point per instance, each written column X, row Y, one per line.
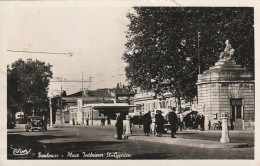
column 95, row 106
column 150, row 101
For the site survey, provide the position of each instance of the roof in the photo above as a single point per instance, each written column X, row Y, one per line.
column 93, row 93
column 88, row 99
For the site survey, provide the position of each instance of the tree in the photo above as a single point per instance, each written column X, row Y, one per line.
column 162, row 45
column 27, row 86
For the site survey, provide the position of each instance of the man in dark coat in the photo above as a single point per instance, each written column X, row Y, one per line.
column 44, row 124
column 119, row 125
column 147, row 121
column 173, row 120
column 202, row 122
column 159, row 123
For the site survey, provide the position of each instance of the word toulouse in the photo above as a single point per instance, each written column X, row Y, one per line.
column 72, row 155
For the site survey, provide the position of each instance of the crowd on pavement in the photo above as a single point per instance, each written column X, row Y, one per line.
column 172, row 121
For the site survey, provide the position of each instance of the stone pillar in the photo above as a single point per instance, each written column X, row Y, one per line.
column 79, row 111
column 206, row 123
column 225, row 134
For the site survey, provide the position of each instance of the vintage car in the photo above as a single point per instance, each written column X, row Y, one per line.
column 33, row 123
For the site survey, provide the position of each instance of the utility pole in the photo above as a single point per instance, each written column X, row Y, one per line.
column 90, row 82
column 60, row 80
column 82, row 84
column 61, row 110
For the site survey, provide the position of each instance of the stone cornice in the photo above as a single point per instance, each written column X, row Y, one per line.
column 237, row 81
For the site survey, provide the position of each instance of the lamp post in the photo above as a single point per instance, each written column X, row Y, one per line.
column 50, row 114
column 199, row 51
column 30, row 105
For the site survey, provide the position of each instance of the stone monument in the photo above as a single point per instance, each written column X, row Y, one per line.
column 227, row 87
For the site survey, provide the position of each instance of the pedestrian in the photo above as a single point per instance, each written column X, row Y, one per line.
column 119, row 125
column 87, row 120
column 159, row 123
column 209, row 124
column 147, row 121
column 101, row 121
column 44, row 124
column 184, row 120
column 173, row 120
column 194, row 118
column 191, row 121
column 180, row 122
column 73, row 121
column 202, row 122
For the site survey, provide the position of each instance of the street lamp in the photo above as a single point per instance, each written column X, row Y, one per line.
column 50, row 105
column 199, row 51
column 30, row 105
column 50, row 113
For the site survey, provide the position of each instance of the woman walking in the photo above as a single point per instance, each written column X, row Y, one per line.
column 147, row 121
column 159, row 123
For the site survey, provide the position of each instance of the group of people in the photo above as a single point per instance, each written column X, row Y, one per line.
column 175, row 123
column 195, row 121
column 160, row 122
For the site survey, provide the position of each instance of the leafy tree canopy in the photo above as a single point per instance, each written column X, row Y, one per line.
column 27, row 85
column 168, row 44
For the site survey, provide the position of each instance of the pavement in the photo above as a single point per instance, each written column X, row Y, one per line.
column 192, row 142
column 189, row 142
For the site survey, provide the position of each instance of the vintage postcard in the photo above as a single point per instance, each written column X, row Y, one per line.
column 127, row 82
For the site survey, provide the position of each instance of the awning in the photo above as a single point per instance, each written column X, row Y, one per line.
column 109, row 106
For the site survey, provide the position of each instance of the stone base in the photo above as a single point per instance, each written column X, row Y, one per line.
column 225, row 140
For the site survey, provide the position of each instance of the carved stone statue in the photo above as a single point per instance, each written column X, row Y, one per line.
column 228, row 52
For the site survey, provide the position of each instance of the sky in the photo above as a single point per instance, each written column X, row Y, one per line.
column 95, row 35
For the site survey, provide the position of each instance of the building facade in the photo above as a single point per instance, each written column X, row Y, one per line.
column 227, row 88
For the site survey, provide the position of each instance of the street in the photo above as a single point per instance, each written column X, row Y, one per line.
column 98, row 142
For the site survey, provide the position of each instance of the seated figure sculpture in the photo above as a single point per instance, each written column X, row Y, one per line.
column 228, row 52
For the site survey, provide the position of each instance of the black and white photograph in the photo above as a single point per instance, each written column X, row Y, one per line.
column 128, row 82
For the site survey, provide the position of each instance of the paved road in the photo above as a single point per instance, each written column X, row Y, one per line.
column 76, row 142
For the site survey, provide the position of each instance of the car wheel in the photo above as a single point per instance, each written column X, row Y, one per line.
column 26, row 130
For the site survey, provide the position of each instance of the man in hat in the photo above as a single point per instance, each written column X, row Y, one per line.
column 147, row 121
column 173, row 120
column 119, row 125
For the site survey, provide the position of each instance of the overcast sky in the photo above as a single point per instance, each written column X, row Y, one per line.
column 96, row 36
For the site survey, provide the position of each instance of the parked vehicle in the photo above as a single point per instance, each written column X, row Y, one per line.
column 34, row 123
